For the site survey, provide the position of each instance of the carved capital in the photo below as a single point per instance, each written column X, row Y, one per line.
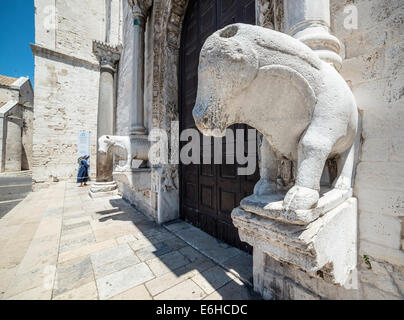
column 265, row 13
column 106, row 54
column 140, row 8
column 269, row 14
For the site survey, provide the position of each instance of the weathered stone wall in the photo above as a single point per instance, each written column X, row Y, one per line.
column 27, row 105
column 6, row 94
column 21, row 92
column 13, row 141
column 67, row 81
column 66, row 98
column 374, row 68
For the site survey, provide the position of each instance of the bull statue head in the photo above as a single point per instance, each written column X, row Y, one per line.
column 222, row 56
column 104, row 143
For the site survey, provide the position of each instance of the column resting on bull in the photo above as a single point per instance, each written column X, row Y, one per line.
column 307, row 114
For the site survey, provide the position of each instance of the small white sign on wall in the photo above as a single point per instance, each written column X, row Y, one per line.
column 83, row 145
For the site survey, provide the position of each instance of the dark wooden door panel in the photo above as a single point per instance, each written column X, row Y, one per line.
column 209, row 192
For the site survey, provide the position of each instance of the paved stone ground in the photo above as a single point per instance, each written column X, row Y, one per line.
column 13, row 189
column 60, row 244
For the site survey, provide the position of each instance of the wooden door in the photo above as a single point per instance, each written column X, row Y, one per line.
column 209, row 192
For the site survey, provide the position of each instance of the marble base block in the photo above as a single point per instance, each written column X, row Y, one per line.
column 271, row 206
column 103, row 189
column 324, row 249
column 135, row 187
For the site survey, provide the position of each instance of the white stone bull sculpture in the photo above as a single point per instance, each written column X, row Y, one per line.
column 278, row 85
column 136, row 148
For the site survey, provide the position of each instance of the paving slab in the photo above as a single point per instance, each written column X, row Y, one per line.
column 213, row 248
column 112, row 232
column 232, row 259
column 234, row 290
column 172, row 278
column 242, row 266
column 136, row 293
column 192, row 254
column 177, row 225
column 70, row 243
column 38, row 293
column 60, row 244
column 166, row 263
column 6, row 276
column 121, row 281
column 106, row 269
column 75, row 225
column 86, row 250
column 153, row 251
column 12, row 254
column 85, row 292
column 109, row 255
column 71, row 234
column 27, row 281
column 187, row 290
column 114, row 259
column 126, row 239
column 212, row 279
column 73, row 274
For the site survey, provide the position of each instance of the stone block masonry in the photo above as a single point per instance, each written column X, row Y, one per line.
column 67, row 81
column 66, row 102
column 373, row 67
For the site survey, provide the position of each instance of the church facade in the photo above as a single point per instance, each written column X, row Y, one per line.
column 124, row 69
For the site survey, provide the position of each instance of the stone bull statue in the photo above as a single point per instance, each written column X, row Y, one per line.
column 278, row 85
column 137, row 149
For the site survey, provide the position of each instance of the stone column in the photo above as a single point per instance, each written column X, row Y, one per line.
column 309, row 21
column 108, row 57
column 140, row 9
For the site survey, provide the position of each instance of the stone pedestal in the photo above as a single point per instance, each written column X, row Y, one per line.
column 135, row 187
column 318, row 246
column 103, row 189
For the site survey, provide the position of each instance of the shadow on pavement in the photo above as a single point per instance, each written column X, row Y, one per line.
column 13, row 189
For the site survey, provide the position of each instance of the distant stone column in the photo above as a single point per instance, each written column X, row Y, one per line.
column 140, row 9
column 309, row 21
column 108, row 57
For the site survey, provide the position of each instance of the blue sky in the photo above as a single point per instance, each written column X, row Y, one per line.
column 17, row 31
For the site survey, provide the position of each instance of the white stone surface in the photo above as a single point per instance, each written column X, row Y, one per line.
column 66, row 99
column 123, row 280
column 16, row 143
column 313, row 112
column 133, row 147
column 328, row 244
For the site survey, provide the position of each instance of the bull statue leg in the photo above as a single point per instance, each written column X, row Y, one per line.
column 313, row 151
column 268, row 170
column 126, row 167
column 345, row 165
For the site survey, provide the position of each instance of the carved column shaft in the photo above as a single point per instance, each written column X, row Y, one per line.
column 105, row 120
column 108, row 57
column 309, row 21
column 139, row 9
